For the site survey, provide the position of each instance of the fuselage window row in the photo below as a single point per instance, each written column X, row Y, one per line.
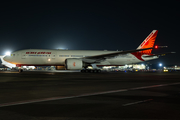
column 63, row 55
column 76, row 55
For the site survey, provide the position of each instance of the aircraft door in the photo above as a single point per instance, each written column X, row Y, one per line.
column 53, row 56
column 23, row 55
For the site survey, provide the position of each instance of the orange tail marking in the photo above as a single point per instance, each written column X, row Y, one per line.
column 148, row 43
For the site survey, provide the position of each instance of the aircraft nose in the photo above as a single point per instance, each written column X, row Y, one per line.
column 7, row 58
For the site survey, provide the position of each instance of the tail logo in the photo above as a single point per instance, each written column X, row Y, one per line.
column 148, row 42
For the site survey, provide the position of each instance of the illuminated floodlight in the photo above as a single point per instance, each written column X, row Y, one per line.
column 142, row 64
column 8, row 53
column 160, row 64
column 61, row 48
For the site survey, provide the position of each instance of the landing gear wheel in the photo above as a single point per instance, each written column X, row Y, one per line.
column 20, row 70
column 90, row 71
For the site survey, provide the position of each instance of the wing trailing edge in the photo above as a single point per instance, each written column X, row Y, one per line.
column 104, row 56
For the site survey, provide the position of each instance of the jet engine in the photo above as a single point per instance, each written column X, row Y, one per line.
column 73, row 64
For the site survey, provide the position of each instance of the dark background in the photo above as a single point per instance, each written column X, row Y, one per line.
column 90, row 25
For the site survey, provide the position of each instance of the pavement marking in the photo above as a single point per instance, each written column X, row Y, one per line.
column 8, row 72
column 82, row 95
column 137, row 102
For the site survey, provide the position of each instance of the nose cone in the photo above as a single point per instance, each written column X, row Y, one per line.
column 7, row 58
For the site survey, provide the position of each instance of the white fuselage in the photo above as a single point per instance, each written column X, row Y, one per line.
column 36, row 57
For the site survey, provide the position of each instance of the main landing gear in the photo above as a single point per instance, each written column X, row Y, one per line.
column 91, row 71
column 20, row 70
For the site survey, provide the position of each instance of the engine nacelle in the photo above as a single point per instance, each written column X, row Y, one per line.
column 73, row 64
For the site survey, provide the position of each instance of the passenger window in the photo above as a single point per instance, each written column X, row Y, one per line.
column 76, row 55
column 63, row 55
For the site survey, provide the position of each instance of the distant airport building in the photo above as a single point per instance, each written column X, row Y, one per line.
column 174, row 67
column 126, row 67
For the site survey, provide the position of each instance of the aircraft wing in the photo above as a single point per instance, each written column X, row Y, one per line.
column 159, row 54
column 99, row 58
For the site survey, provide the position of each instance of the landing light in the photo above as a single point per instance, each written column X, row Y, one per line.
column 8, row 53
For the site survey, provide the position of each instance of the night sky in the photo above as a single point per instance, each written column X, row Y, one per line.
column 90, row 25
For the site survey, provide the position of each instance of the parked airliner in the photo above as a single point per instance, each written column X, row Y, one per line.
column 81, row 59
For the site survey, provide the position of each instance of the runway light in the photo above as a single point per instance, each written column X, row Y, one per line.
column 8, row 53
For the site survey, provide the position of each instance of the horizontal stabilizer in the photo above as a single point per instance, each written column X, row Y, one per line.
column 160, row 54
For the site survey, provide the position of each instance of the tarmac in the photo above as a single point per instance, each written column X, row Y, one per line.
column 89, row 96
